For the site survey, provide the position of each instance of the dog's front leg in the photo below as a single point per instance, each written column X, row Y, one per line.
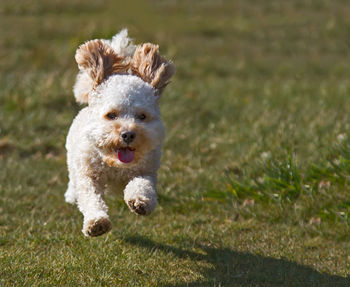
column 91, row 204
column 140, row 194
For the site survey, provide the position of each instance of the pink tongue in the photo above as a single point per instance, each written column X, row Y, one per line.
column 125, row 155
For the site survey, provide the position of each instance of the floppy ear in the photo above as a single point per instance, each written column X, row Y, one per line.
column 151, row 67
column 97, row 61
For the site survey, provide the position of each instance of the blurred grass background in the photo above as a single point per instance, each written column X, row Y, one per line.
column 255, row 170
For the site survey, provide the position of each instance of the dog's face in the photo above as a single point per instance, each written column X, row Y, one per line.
column 125, row 120
column 122, row 93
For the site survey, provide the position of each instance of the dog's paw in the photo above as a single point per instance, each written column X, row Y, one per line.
column 141, row 206
column 97, row 227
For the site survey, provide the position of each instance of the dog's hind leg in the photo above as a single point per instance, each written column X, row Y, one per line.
column 70, row 195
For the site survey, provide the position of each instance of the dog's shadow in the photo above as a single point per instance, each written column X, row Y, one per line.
column 232, row 268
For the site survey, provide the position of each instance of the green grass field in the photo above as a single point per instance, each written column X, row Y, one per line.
column 255, row 177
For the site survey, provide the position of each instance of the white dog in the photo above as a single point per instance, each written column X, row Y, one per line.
column 115, row 142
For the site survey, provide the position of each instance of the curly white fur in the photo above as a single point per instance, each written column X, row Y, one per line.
column 95, row 144
column 122, row 44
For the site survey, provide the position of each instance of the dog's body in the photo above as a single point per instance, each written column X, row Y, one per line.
column 115, row 142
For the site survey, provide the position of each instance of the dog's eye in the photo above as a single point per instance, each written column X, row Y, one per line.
column 111, row 116
column 141, row 117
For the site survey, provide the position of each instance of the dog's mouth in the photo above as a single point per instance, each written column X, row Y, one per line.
column 125, row 154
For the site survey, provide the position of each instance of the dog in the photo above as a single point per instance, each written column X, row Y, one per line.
column 114, row 143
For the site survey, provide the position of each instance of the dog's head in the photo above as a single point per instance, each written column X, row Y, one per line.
column 122, row 92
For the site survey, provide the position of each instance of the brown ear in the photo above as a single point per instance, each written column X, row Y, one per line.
column 151, row 67
column 97, row 61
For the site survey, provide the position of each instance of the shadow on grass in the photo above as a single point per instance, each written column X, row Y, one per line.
column 232, row 268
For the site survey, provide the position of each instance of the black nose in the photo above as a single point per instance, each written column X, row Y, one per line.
column 128, row 137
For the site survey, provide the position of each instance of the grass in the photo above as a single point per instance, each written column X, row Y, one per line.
column 255, row 171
